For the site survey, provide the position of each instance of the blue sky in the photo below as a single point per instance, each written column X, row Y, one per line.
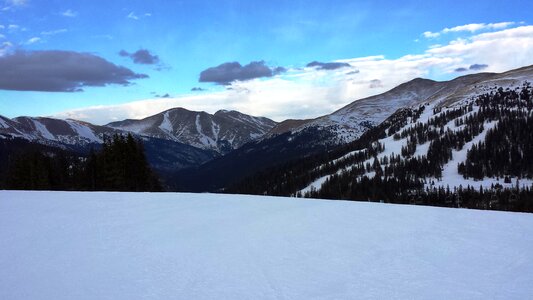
column 188, row 37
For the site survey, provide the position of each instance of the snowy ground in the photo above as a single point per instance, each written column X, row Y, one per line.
column 56, row 245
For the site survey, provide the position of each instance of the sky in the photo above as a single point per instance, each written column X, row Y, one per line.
column 102, row 61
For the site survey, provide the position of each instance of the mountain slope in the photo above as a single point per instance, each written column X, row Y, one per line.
column 477, row 152
column 221, row 132
column 250, row 158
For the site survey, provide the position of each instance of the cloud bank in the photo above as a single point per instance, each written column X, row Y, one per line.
column 60, row 71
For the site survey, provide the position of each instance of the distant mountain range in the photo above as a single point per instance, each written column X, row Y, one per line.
column 199, row 151
column 222, row 132
column 174, row 139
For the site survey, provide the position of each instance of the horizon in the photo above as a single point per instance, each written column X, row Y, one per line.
column 279, row 60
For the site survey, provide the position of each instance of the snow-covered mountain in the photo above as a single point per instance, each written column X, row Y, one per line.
column 349, row 122
column 221, row 132
column 472, row 148
column 174, row 139
column 53, row 131
column 80, row 137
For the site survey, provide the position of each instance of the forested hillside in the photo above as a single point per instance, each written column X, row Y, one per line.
column 477, row 153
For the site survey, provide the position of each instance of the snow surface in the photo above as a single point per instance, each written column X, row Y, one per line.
column 66, row 245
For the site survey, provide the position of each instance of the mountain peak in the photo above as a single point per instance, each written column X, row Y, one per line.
column 223, row 131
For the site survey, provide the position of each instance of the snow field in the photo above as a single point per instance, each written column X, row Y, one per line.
column 70, row 245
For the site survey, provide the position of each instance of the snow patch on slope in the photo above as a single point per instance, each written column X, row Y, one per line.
column 166, row 125
column 84, row 131
column 42, row 130
column 204, row 139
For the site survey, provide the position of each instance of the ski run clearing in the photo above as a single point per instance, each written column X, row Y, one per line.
column 70, row 245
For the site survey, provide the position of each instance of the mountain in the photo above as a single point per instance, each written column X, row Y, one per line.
column 472, row 148
column 174, row 139
column 62, row 133
column 301, row 139
column 80, row 137
column 222, row 132
column 349, row 122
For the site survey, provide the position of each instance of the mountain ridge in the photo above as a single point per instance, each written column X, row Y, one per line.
column 223, row 131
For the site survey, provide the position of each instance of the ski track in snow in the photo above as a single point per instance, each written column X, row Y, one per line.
column 452, row 178
column 315, row 185
column 391, row 147
column 71, row 245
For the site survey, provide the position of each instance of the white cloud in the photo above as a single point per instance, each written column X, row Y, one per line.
column 13, row 27
column 478, row 26
column 307, row 92
column 502, row 50
column 33, row 40
column 17, row 2
column 4, row 48
column 430, row 35
column 474, row 27
column 54, row 32
column 69, row 13
column 14, row 4
column 132, row 16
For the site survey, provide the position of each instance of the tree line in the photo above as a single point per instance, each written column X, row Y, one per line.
column 119, row 165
